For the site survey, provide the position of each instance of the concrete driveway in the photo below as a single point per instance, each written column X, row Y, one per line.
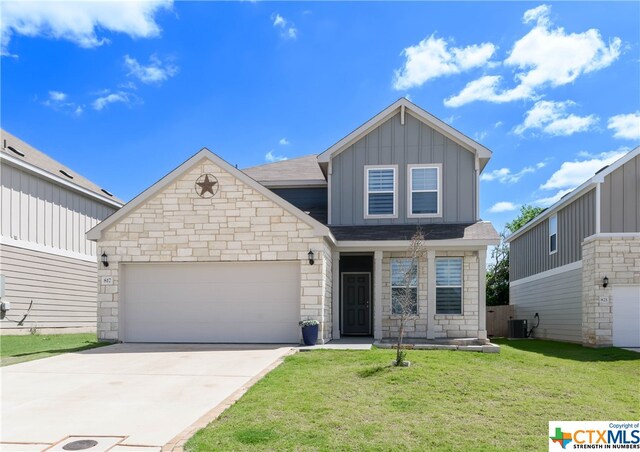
column 139, row 394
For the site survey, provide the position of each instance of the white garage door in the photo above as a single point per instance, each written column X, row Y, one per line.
column 626, row 316
column 255, row 302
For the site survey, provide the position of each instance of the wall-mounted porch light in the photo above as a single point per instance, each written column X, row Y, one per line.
column 105, row 262
column 310, row 256
column 605, row 281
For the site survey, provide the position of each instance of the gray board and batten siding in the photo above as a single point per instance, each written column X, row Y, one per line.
column 530, row 252
column 620, row 199
column 558, row 301
column 395, row 144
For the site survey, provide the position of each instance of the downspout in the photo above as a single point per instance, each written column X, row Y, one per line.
column 329, row 171
column 477, row 200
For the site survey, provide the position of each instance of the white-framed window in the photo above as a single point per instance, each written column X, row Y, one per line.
column 424, row 191
column 553, row 234
column 404, row 286
column 380, row 185
column 448, row 285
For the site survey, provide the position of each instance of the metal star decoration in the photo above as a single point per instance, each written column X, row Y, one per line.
column 207, row 185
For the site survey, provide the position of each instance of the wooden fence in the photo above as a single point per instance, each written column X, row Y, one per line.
column 498, row 320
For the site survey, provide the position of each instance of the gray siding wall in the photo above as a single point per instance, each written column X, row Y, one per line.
column 620, row 199
column 529, row 253
column 392, row 143
column 40, row 212
column 558, row 301
column 63, row 290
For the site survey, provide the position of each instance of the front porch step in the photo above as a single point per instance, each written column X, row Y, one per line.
column 464, row 344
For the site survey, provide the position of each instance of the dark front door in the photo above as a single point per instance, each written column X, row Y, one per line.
column 356, row 303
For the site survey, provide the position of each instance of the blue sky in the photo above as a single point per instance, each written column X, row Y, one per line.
column 124, row 92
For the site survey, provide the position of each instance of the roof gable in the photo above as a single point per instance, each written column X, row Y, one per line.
column 404, row 106
column 577, row 192
column 96, row 232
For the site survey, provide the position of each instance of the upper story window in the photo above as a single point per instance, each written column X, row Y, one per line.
column 380, row 187
column 424, row 191
column 553, row 234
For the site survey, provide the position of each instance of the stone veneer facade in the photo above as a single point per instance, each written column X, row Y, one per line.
column 618, row 258
column 238, row 224
column 445, row 326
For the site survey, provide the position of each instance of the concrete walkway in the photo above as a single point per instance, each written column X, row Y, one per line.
column 344, row 343
column 139, row 394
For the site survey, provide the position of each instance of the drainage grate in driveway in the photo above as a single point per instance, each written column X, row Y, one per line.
column 81, row 444
column 86, row 443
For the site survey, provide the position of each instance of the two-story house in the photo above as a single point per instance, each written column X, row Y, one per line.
column 214, row 254
column 577, row 264
column 47, row 262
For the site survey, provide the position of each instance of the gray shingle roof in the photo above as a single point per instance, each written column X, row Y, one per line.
column 42, row 161
column 466, row 231
column 297, row 171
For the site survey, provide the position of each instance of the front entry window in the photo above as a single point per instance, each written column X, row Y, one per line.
column 449, row 285
column 404, row 287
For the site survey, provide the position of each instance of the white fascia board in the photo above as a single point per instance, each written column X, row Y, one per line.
column 612, row 235
column 414, row 110
column 47, row 249
column 545, row 274
column 57, row 180
column 586, row 186
column 399, row 245
column 204, row 153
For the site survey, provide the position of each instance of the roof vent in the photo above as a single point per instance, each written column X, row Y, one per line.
column 15, row 151
column 106, row 192
column 66, row 174
column 602, row 169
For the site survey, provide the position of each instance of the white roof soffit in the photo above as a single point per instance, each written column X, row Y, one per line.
column 580, row 190
column 483, row 153
column 96, row 232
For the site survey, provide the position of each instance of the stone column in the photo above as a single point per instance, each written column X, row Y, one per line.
column 431, row 293
column 482, row 294
column 377, row 295
column 335, row 288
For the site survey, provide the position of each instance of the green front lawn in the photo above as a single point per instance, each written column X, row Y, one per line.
column 17, row 349
column 447, row 400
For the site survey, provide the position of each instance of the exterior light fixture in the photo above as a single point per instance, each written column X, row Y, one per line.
column 605, row 281
column 310, row 256
column 105, row 262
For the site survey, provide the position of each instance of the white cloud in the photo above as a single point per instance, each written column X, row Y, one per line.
column 59, row 101
column 157, row 71
column 545, row 202
column 284, row 142
column 79, row 22
column 572, row 174
column 270, row 157
column 543, row 57
column 287, row 29
column 506, row 176
column 479, row 136
column 431, row 58
column 625, row 126
column 57, row 96
column 552, row 118
column 503, row 206
column 110, row 98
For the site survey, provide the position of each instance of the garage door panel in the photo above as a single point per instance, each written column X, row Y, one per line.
column 211, row 302
column 626, row 316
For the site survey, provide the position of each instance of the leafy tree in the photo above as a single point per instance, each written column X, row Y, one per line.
column 498, row 271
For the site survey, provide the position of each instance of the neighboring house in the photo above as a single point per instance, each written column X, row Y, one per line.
column 214, row 254
column 45, row 211
column 560, row 259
